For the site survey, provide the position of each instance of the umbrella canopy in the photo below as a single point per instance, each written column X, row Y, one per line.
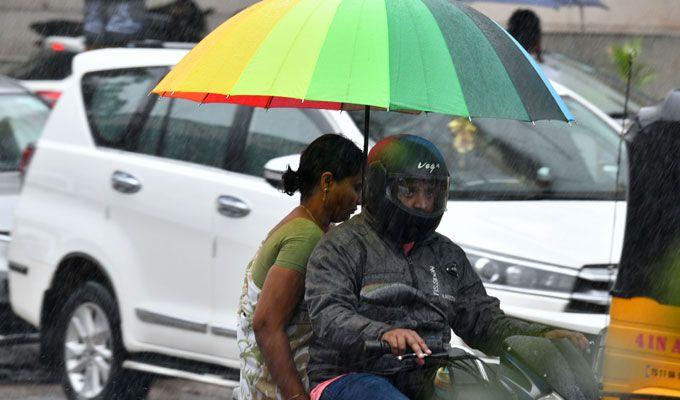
column 547, row 3
column 402, row 55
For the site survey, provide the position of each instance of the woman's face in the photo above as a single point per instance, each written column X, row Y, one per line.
column 343, row 197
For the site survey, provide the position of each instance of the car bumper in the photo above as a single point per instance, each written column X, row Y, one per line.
column 582, row 322
column 549, row 311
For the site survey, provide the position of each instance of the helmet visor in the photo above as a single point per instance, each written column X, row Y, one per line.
column 424, row 196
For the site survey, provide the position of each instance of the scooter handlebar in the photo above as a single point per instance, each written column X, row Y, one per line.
column 377, row 347
column 380, row 347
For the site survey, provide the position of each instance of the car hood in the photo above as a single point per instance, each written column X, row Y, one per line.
column 565, row 233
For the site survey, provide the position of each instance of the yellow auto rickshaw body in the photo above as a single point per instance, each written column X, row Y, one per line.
column 642, row 352
column 642, row 344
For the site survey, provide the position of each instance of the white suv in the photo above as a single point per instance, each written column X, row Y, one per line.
column 22, row 116
column 139, row 215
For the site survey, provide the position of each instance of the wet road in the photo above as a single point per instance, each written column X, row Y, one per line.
column 22, row 378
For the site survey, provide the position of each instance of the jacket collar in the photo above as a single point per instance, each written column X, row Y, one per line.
column 373, row 225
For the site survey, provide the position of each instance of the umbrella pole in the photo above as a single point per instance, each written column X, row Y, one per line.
column 367, row 117
column 631, row 58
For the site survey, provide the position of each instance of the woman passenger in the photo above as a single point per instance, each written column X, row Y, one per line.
column 274, row 329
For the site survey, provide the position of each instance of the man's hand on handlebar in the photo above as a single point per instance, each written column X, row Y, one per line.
column 399, row 339
column 576, row 338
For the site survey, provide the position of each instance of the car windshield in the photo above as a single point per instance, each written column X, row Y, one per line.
column 494, row 159
column 582, row 79
column 22, row 117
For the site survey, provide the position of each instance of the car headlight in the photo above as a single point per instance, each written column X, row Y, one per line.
column 494, row 270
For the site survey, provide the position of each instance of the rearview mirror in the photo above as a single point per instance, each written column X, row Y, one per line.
column 275, row 168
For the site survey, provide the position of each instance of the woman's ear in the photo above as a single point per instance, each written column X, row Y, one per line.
column 327, row 180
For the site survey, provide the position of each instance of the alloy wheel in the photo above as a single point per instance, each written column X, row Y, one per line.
column 88, row 350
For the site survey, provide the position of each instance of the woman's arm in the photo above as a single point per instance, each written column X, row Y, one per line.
column 282, row 290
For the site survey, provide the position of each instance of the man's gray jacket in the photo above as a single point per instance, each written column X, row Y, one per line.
column 359, row 286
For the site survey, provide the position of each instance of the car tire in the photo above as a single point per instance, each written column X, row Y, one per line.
column 91, row 351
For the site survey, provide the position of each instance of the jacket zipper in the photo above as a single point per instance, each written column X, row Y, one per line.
column 411, row 269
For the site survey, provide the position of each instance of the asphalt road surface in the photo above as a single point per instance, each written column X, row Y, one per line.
column 21, row 378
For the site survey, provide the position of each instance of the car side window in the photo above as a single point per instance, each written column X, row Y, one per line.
column 115, row 103
column 197, row 133
column 279, row 132
column 22, row 118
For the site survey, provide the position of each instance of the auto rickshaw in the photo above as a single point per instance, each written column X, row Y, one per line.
column 642, row 348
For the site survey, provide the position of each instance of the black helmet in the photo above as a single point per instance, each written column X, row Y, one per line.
column 400, row 168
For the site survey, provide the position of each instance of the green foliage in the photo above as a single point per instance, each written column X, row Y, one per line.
column 627, row 54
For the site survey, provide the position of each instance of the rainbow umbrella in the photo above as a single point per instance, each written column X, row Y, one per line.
column 398, row 55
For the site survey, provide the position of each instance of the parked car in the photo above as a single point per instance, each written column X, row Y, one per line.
column 22, row 116
column 139, row 214
column 45, row 70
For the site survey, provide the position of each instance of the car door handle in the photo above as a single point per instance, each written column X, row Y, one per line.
column 125, row 183
column 233, row 207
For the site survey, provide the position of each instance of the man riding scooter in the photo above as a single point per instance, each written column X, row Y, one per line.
column 366, row 279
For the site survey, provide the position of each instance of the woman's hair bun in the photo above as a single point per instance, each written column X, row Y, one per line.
column 291, row 182
column 328, row 153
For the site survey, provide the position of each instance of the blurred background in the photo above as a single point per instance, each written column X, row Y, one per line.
column 589, row 35
column 583, row 49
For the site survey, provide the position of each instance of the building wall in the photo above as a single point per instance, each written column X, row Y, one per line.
column 657, row 22
column 621, row 16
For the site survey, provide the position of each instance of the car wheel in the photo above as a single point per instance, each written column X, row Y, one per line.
column 92, row 350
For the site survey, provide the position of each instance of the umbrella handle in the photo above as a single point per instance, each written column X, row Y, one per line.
column 367, row 117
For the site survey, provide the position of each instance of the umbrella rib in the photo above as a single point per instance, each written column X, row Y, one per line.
column 388, row 64
column 354, row 48
column 205, row 97
column 420, row 53
column 505, row 68
column 556, row 99
column 292, row 43
column 454, row 66
column 229, row 90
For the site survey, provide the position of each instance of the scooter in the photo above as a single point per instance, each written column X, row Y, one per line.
column 531, row 368
column 176, row 21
